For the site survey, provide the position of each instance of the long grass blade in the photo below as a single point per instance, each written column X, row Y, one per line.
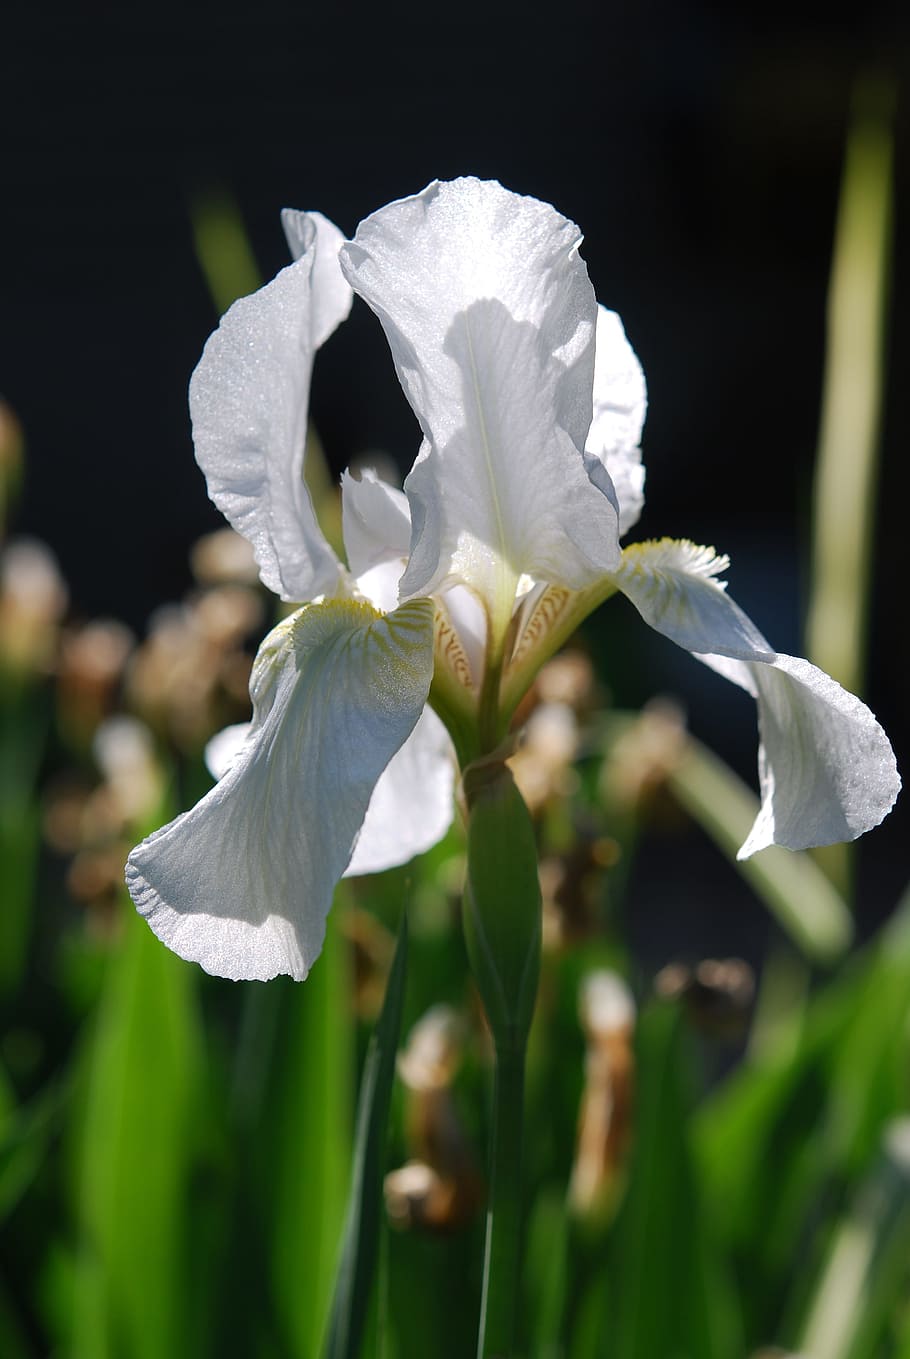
column 847, row 462
column 361, row 1233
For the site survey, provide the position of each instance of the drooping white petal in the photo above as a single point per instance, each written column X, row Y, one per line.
column 243, row 882
column 490, row 317
column 412, row 804
column 826, row 768
column 248, row 400
column 620, row 402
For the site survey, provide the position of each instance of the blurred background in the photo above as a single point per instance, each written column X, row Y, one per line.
column 146, row 154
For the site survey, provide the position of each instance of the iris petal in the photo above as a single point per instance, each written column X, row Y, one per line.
column 826, row 768
column 243, row 882
column 490, row 317
column 620, row 402
column 248, row 400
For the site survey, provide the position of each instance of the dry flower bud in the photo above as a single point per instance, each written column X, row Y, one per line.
column 92, row 661
column 717, row 993
column 125, row 753
column 607, row 1012
column 568, row 678
column 542, row 764
column 33, row 599
column 418, row 1198
column 433, row 1052
column 228, row 614
column 224, row 558
column 645, row 754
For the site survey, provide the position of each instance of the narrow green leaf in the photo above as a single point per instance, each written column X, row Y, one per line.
column 847, row 461
column 672, row 1295
column 223, row 247
column 867, row 1271
column 23, row 738
column 546, row 1268
column 137, row 1144
column 304, row 1140
column 362, row 1225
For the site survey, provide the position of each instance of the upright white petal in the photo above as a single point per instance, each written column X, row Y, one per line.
column 376, row 523
column 376, row 520
column 826, row 768
column 620, row 402
column 490, row 317
column 242, row 883
column 248, row 399
column 412, row 804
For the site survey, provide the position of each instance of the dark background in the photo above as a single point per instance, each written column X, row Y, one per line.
column 698, row 146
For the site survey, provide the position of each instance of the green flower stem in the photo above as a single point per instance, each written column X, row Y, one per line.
column 502, row 935
column 502, row 1256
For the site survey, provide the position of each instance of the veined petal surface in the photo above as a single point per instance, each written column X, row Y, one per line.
column 412, row 804
column 243, row 882
column 249, row 398
column 620, row 402
column 827, row 772
column 490, row 317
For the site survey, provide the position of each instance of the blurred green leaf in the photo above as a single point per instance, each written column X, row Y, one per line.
column 545, row 1275
column 137, row 1140
column 23, row 739
column 868, row 1268
column 777, row 1143
column 14, row 1343
column 223, row 248
column 25, row 1136
column 362, row 1224
column 847, row 460
column 670, row 1292
column 304, row 1139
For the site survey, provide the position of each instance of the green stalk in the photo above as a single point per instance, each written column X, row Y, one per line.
column 502, row 935
column 502, row 1254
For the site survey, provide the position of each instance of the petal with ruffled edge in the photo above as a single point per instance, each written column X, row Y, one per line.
column 248, row 400
column 242, row 883
column 620, row 402
column 826, row 768
column 412, row 804
column 490, row 317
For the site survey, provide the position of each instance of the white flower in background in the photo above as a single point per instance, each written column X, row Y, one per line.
column 531, row 402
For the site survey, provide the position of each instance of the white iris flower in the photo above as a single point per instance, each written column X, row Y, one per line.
column 531, row 402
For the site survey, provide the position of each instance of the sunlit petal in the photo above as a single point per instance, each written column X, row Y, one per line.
column 243, row 882
column 490, row 316
column 412, row 804
column 620, row 402
column 248, row 399
column 826, row 768
column 376, row 521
